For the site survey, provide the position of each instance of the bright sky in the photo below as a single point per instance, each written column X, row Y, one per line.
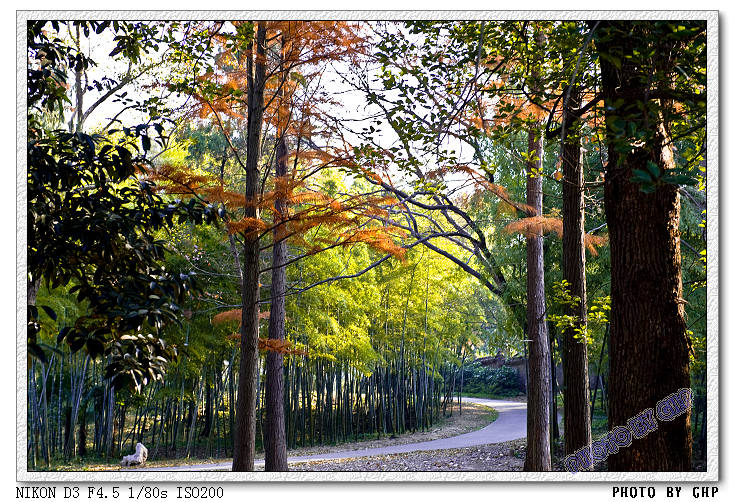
column 354, row 106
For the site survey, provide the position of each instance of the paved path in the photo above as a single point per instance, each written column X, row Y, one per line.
column 510, row 424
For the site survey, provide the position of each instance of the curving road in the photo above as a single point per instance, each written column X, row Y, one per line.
column 510, row 424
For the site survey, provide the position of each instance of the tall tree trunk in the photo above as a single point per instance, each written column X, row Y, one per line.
column 244, row 441
column 577, row 425
column 538, row 454
column 275, row 444
column 648, row 346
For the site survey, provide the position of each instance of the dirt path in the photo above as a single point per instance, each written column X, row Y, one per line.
column 510, row 425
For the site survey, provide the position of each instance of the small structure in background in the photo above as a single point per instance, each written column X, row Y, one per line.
column 138, row 458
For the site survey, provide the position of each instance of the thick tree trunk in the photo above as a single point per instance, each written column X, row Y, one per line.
column 275, row 444
column 244, row 440
column 648, row 351
column 577, row 425
column 538, row 454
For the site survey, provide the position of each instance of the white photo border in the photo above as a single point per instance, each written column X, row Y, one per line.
column 713, row 433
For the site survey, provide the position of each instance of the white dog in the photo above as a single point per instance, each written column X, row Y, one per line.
column 139, row 457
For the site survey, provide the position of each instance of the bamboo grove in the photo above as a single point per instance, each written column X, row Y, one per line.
column 355, row 372
column 255, row 236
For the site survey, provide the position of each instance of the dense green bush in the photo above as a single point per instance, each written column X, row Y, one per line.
column 501, row 381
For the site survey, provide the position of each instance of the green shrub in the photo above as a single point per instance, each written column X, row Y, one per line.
column 501, row 381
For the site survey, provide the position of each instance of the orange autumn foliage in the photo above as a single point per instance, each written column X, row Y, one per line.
column 305, row 47
column 284, row 347
column 302, row 49
column 234, row 315
column 592, row 242
column 264, row 344
column 535, row 225
column 377, row 238
column 174, row 180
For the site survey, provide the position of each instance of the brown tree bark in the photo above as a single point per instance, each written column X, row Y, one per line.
column 538, row 414
column 577, row 424
column 538, row 451
column 275, row 425
column 244, row 440
column 648, row 352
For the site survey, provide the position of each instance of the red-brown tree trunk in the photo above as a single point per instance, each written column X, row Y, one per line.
column 275, row 425
column 538, row 450
column 538, row 412
column 577, row 425
column 649, row 353
column 244, row 440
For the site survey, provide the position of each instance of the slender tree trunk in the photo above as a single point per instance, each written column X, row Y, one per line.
column 32, row 416
column 77, row 387
column 244, row 441
column 538, row 455
column 194, row 411
column 79, row 90
column 275, row 445
column 598, row 376
column 648, row 346
column 231, row 400
column 554, row 389
column 577, row 425
column 44, row 413
column 58, row 404
column 110, row 419
column 83, row 429
column 208, row 403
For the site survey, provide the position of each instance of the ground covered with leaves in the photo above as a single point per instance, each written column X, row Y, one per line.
column 508, row 456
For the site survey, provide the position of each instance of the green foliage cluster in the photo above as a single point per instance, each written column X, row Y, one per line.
column 93, row 223
column 501, row 382
column 597, row 314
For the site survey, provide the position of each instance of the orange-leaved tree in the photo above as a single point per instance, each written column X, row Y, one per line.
column 286, row 111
